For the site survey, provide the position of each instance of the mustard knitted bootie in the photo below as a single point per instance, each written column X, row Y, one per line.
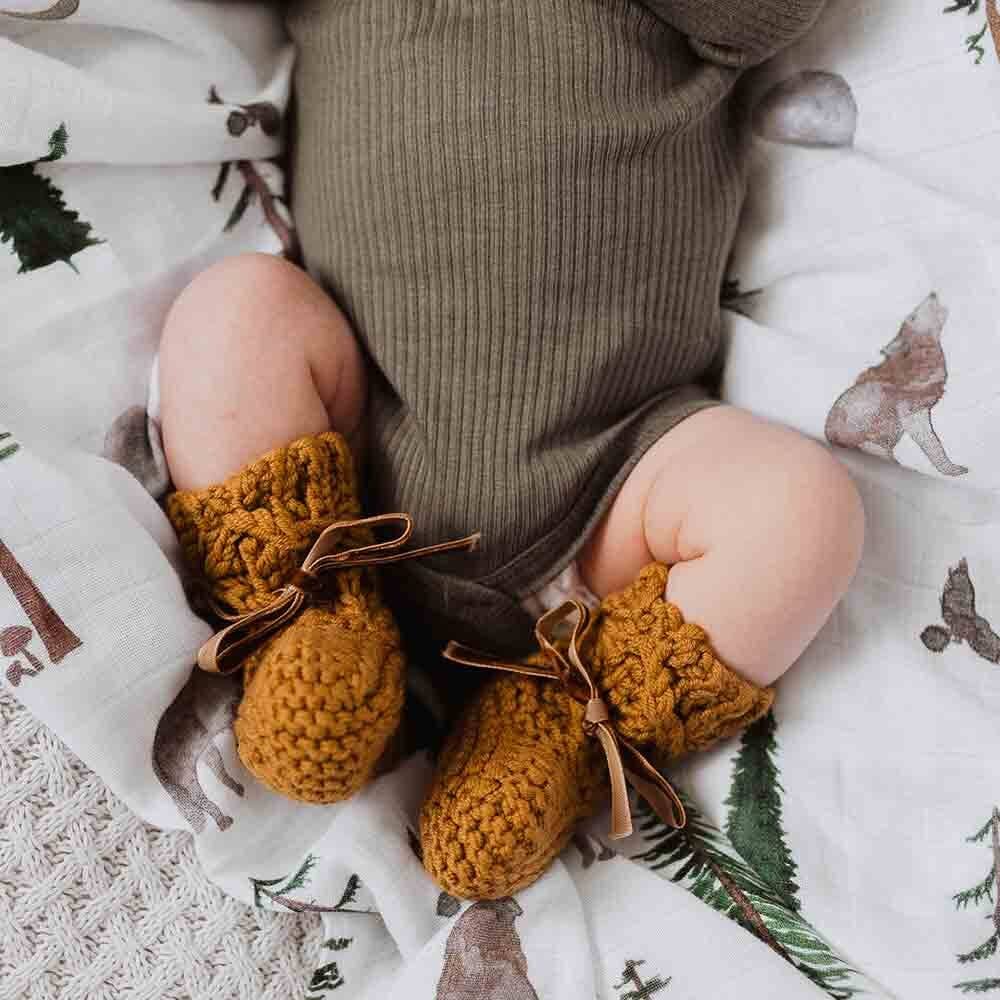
column 521, row 768
column 323, row 693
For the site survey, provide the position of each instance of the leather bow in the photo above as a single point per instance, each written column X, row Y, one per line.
column 225, row 651
column 626, row 765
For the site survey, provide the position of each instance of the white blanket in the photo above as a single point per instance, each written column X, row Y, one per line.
column 837, row 832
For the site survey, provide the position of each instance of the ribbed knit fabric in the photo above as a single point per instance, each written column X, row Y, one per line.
column 525, row 207
column 519, row 772
column 738, row 32
column 324, row 695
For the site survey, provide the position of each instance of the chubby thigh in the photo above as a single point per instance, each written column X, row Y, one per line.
column 762, row 526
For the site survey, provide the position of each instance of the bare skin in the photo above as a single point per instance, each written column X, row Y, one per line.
column 763, row 528
column 254, row 355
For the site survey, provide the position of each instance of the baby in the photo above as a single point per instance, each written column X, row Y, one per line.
column 524, row 210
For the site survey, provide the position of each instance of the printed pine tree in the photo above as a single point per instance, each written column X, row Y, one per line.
column 277, row 891
column 639, row 987
column 984, row 894
column 34, row 219
column 58, row 145
column 7, row 446
column 700, row 858
column 327, row 977
column 754, row 822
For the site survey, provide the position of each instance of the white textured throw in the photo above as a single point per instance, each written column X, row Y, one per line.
column 96, row 903
column 847, row 844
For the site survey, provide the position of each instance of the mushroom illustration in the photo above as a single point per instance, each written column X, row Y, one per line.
column 14, row 641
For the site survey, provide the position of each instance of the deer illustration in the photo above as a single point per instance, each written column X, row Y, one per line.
column 204, row 708
column 897, row 396
column 483, row 959
column 964, row 624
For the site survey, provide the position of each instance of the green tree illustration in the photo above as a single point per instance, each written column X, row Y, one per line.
column 986, row 892
column 637, row 987
column 974, row 43
column 754, row 822
column 34, row 219
column 277, row 891
column 700, row 858
column 58, row 144
column 7, row 446
column 327, row 977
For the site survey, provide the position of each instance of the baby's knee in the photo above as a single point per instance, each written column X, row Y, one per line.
column 819, row 517
column 257, row 311
column 256, row 303
column 242, row 304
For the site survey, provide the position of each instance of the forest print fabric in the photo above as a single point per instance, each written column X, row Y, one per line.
column 847, row 845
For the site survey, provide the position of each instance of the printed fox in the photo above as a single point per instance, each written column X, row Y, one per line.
column 897, row 396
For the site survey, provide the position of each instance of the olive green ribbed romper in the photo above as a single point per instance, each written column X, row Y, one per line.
column 525, row 208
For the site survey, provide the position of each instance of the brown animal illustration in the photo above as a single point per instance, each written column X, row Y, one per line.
column 133, row 442
column 447, row 905
column 964, row 623
column 897, row 396
column 585, row 844
column 59, row 11
column 483, row 959
column 204, row 708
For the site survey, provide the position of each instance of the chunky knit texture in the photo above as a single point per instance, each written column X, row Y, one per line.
column 519, row 772
column 324, row 695
column 95, row 904
column 526, row 209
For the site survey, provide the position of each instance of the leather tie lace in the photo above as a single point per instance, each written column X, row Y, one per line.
column 569, row 670
column 226, row 650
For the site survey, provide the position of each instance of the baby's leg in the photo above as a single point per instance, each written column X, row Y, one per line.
column 256, row 366
column 254, row 355
column 763, row 528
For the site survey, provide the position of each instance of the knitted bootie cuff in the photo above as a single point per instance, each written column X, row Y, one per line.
column 247, row 536
column 662, row 680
